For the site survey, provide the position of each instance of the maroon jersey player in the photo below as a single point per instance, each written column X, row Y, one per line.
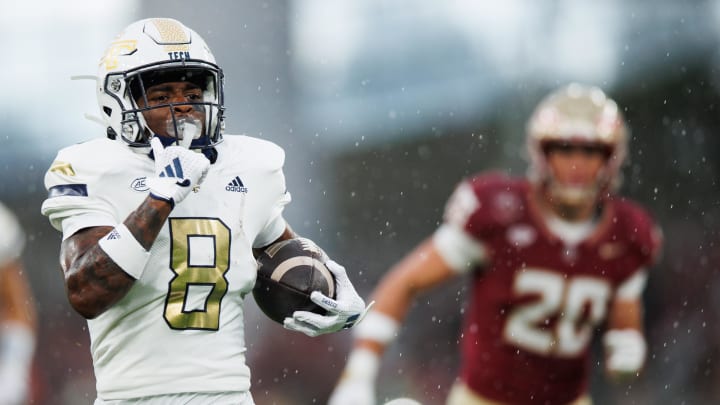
column 551, row 258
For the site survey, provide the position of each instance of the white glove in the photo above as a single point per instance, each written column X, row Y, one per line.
column 17, row 345
column 357, row 383
column 13, row 389
column 177, row 171
column 625, row 349
column 344, row 312
column 353, row 392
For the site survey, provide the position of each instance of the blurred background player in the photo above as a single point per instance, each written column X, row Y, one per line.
column 550, row 259
column 17, row 315
column 160, row 221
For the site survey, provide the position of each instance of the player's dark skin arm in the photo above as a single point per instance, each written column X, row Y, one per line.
column 287, row 234
column 93, row 281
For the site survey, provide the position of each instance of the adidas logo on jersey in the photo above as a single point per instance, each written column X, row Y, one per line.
column 113, row 235
column 236, row 185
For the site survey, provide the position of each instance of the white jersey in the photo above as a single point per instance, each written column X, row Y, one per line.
column 180, row 327
column 12, row 237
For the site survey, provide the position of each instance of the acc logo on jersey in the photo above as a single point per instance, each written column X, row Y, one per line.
column 506, row 207
column 140, row 184
column 521, row 235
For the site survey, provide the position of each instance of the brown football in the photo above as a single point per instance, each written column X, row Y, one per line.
column 288, row 272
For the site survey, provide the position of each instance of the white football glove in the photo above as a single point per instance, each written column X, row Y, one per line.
column 177, row 171
column 17, row 345
column 353, row 392
column 13, row 389
column 625, row 350
column 343, row 312
column 357, row 383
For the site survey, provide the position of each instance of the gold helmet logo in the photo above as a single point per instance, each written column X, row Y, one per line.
column 117, row 48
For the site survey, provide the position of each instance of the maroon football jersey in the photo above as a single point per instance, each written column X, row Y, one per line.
column 536, row 302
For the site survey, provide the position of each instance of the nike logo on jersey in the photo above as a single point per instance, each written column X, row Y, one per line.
column 611, row 250
column 236, row 185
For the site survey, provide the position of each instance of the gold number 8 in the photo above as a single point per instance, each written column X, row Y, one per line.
column 208, row 274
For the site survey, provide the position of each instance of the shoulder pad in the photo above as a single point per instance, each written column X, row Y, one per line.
column 486, row 202
column 256, row 152
column 641, row 230
column 85, row 162
column 75, row 172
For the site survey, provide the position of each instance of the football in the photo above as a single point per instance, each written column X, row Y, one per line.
column 287, row 273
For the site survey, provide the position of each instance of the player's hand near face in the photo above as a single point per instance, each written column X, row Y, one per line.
column 343, row 312
column 177, row 171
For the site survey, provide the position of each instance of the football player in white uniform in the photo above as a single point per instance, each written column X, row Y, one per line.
column 160, row 224
column 17, row 314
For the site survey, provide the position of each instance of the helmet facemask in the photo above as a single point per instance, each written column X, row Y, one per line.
column 204, row 123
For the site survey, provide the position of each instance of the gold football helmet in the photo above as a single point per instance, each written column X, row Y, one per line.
column 578, row 114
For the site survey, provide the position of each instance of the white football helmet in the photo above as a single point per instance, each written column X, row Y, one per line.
column 149, row 52
column 578, row 114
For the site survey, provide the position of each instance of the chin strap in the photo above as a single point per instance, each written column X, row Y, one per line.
column 210, row 153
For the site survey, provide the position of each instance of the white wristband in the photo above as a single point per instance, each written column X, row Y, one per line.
column 362, row 364
column 17, row 344
column 626, row 349
column 122, row 247
column 378, row 327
